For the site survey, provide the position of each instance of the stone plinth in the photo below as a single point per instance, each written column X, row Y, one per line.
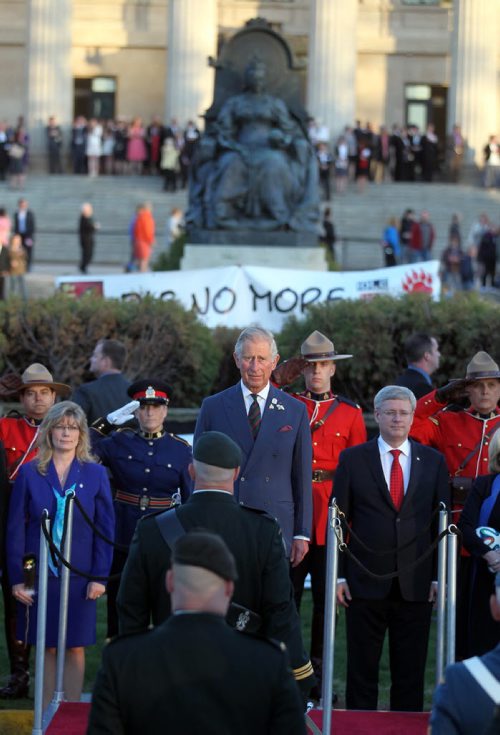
column 253, row 238
column 216, row 256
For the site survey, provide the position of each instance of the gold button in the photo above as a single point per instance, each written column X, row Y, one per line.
column 315, row 444
column 314, row 460
column 459, row 445
column 147, row 469
column 150, row 454
column 129, row 456
column 338, row 433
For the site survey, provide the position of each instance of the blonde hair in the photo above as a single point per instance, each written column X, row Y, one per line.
column 44, row 439
column 494, row 453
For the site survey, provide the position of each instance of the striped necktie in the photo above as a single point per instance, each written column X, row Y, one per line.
column 254, row 417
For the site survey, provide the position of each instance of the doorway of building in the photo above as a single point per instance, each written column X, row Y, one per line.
column 94, row 97
column 426, row 103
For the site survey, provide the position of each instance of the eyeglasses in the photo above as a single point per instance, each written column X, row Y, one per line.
column 66, row 427
column 395, row 414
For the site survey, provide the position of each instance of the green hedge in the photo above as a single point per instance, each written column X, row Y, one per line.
column 166, row 340
column 374, row 332
column 162, row 338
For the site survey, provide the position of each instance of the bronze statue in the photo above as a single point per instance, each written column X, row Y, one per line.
column 256, row 168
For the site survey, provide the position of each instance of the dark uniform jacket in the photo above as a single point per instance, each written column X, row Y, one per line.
column 195, row 675
column 460, row 705
column 146, row 471
column 363, row 496
column 263, row 583
column 101, row 396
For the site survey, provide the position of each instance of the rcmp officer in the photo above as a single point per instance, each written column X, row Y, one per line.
column 462, row 434
column 263, row 597
column 37, row 393
column 336, row 423
column 149, row 467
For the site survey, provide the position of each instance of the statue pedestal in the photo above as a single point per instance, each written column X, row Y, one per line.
column 276, row 256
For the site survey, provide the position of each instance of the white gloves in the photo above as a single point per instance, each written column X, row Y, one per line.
column 123, row 414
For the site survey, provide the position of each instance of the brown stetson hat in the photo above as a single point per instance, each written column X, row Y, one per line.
column 318, row 347
column 37, row 374
column 482, row 366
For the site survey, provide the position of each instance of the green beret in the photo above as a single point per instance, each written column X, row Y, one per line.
column 217, row 449
column 206, row 550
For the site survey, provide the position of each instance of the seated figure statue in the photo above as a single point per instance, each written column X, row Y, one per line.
column 256, row 169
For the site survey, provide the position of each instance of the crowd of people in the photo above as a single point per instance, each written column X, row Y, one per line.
column 264, row 467
column 17, row 238
column 465, row 262
column 403, row 153
column 118, row 147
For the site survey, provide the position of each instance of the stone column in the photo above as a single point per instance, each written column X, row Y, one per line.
column 49, row 86
column 331, row 82
column 473, row 93
column 192, row 38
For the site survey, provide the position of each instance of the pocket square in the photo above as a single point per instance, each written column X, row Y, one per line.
column 287, row 427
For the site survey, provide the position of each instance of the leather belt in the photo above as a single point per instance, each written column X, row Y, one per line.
column 322, row 475
column 143, row 501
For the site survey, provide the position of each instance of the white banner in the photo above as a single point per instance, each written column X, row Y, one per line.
column 236, row 296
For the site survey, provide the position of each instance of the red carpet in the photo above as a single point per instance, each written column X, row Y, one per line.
column 71, row 719
column 348, row 722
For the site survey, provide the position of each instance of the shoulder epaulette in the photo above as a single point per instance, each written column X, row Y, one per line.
column 180, row 439
column 344, row 399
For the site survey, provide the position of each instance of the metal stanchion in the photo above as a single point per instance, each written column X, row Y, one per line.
column 452, row 594
column 40, row 628
column 63, row 605
column 441, row 594
column 332, row 556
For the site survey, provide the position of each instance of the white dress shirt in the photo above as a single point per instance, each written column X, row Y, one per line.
column 386, row 459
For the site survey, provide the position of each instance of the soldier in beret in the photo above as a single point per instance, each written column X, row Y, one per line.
column 336, row 423
column 263, row 597
column 149, row 467
column 37, row 392
column 193, row 673
column 459, row 420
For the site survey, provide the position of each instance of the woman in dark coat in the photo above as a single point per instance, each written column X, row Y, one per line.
column 87, row 228
column 63, row 464
column 483, row 509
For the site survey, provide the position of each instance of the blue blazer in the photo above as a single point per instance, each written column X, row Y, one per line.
column 460, row 705
column 33, row 492
column 276, row 470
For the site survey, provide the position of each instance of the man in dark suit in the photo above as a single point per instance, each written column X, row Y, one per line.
column 272, row 431
column 422, row 355
column 388, row 490
column 462, row 703
column 109, row 391
column 194, row 674
column 24, row 225
column 263, row 592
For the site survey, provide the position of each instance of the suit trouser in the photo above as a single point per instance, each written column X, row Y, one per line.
column 314, row 563
column 408, row 624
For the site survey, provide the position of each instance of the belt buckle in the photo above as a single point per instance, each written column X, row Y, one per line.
column 144, row 502
column 316, row 475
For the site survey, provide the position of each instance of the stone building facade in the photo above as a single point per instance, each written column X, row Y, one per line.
column 386, row 61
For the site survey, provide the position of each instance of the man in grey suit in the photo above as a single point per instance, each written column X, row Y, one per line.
column 272, row 431
column 109, row 391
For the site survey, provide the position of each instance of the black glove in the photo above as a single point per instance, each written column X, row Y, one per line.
column 453, row 392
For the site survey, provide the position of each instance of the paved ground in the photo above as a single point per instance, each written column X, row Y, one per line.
column 359, row 218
